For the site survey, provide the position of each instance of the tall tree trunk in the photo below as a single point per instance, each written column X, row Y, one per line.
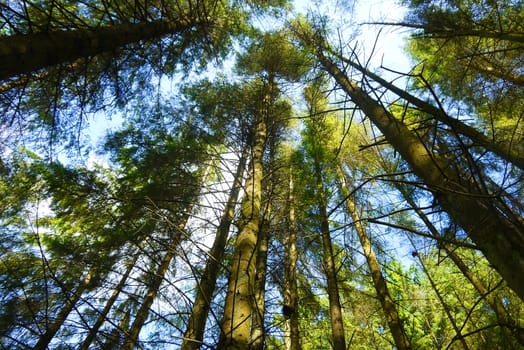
column 500, row 239
column 238, row 306
column 290, row 308
column 503, row 150
column 131, row 337
column 102, row 316
column 335, row 308
column 259, row 306
column 27, row 53
column 386, row 301
column 495, row 303
column 258, row 332
column 197, row 321
column 53, row 327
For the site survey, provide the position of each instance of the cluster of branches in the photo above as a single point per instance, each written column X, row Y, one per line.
column 305, row 208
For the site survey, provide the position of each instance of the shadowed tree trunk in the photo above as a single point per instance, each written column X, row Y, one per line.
column 388, row 304
column 258, row 331
column 335, row 308
column 27, row 53
column 259, row 306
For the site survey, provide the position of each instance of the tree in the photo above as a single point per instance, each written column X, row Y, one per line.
column 290, row 307
column 315, row 148
column 143, row 240
column 238, row 308
column 498, row 236
column 508, row 153
column 469, row 51
column 194, row 334
column 267, row 65
column 35, row 49
column 384, row 296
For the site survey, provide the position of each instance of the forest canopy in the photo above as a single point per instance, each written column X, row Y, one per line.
column 224, row 174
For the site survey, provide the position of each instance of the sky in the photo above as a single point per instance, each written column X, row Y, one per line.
column 389, row 50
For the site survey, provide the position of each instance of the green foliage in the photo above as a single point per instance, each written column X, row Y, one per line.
column 60, row 220
column 469, row 55
column 273, row 54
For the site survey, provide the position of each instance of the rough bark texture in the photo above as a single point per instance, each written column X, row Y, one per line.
column 386, row 301
column 500, row 238
column 259, row 305
column 291, row 332
column 27, row 53
column 238, row 307
column 335, row 308
column 199, row 313
column 503, row 150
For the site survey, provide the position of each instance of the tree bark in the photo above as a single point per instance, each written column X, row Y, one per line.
column 53, row 327
column 500, row 239
column 506, row 152
column 197, row 321
column 386, row 301
column 259, row 305
column 495, row 303
column 27, row 53
column 238, row 306
column 291, row 332
column 335, row 308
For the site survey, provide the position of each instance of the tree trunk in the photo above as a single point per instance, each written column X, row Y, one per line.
column 53, row 327
column 500, row 149
column 500, row 239
column 444, row 32
column 197, row 321
column 131, row 337
column 115, row 338
column 495, row 303
column 388, row 305
column 290, row 308
column 258, row 332
column 259, row 307
column 335, row 308
column 102, row 316
column 27, row 53
column 238, row 306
